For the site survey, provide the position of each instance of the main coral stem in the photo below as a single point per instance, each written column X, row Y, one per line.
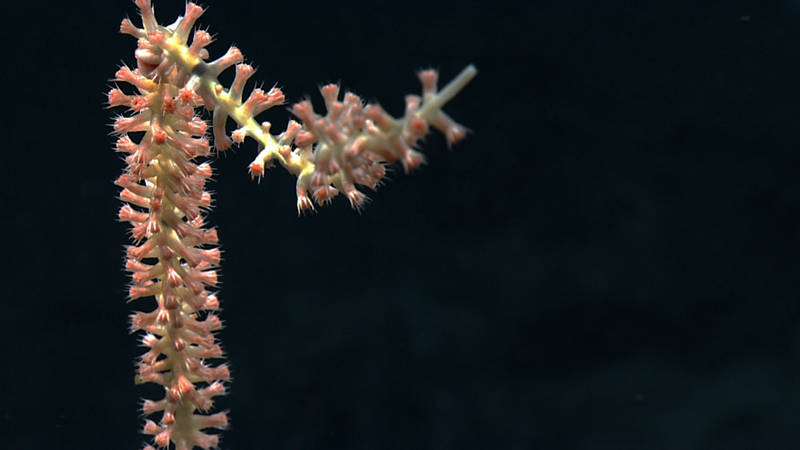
column 175, row 256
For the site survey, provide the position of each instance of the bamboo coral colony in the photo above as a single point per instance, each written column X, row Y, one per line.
column 175, row 254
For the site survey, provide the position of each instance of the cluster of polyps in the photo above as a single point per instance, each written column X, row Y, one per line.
column 175, row 255
column 352, row 143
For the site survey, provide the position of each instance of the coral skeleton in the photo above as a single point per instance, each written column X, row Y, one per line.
column 167, row 151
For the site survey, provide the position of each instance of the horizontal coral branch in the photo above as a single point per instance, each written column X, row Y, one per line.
column 353, row 142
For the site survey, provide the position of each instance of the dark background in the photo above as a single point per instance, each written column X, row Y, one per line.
column 608, row 262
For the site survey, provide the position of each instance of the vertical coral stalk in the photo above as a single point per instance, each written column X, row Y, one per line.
column 175, row 254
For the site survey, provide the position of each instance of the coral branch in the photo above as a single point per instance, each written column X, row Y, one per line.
column 174, row 256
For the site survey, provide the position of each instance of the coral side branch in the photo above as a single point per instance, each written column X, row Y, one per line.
column 352, row 143
column 348, row 146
